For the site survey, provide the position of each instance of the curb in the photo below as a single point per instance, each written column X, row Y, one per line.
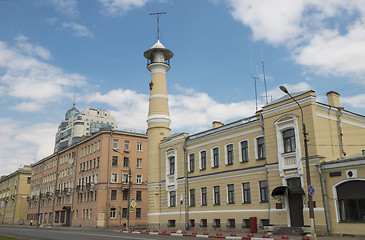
column 196, row 235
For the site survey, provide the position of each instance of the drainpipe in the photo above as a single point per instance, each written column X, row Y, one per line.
column 266, row 169
column 186, row 185
column 40, row 194
column 108, row 184
column 54, row 190
column 324, row 194
column 16, row 197
column 339, row 120
column 73, row 185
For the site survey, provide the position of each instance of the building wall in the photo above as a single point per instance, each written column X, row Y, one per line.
column 74, row 182
column 14, row 189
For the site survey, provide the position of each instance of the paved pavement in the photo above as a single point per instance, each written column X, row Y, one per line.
column 257, row 236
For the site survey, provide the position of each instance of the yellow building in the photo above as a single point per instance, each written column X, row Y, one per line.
column 254, row 168
column 14, row 190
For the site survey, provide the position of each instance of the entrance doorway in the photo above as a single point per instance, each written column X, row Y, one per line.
column 295, row 197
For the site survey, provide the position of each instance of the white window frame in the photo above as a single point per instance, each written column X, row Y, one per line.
column 226, row 153
column 139, row 146
column 139, row 178
column 111, row 179
column 139, row 162
column 212, row 157
column 240, row 150
column 256, row 147
column 200, row 159
column 189, row 167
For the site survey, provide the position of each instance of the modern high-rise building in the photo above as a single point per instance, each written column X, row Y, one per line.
column 78, row 124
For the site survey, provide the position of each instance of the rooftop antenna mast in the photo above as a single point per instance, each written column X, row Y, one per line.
column 254, row 79
column 263, row 72
column 158, row 22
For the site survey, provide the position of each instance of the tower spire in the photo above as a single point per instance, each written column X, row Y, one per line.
column 158, row 22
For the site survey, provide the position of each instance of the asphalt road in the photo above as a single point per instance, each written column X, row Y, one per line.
column 77, row 234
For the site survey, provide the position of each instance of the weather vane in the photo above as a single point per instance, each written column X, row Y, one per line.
column 158, row 22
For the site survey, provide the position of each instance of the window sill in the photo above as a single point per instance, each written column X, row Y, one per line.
column 260, row 159
column 264, row 201
column 246, row 203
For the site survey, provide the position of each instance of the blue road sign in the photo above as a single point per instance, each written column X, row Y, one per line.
column 311, row 190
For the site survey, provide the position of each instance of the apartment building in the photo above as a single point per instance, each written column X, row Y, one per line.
column 90, row 183
column 255, row 168
column 14, row 190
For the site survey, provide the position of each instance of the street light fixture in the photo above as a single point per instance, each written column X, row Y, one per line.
column 305, row 134
column 129, row 185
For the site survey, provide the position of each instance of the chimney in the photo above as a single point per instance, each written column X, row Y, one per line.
column 217, row 124
column 333, row 99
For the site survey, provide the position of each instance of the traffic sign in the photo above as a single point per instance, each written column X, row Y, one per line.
column 131, row 209
column 133, row 203
column 311, row 190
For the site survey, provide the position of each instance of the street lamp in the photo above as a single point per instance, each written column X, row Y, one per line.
column 305, row 134
column 129, row 184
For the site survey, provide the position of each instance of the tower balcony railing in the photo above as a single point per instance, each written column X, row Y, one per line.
column 149, row 61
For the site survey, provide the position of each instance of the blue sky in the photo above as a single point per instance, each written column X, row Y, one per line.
column 53, row 50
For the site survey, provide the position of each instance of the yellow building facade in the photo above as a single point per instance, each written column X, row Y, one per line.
column 14, row 190
column 253, row 171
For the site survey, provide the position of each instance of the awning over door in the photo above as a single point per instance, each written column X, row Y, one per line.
column 279, row 191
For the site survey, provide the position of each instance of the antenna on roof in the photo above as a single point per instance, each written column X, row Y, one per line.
column 158, row 22
column 254, row 78
column 263, row 72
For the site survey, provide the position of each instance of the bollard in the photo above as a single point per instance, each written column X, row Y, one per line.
column 250, row 235
column 233, row 234
column 306, row 238
column 266, row 236
column 284, row 237
column 205, row 233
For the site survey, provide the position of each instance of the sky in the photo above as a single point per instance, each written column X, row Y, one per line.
column 55, row 51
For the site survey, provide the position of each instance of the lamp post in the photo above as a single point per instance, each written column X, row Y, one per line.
column 129, row 185
column 305, row 134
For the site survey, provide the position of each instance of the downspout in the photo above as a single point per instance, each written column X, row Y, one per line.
column 40, row 194
column 324, row 194
column 16, row 198
column 54, row 190
column 108, row 183
column 73, row 185
column 339, row 120
column 186, row 185
column 266, row 169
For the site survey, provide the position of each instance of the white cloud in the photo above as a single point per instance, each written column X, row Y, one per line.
column 78, row 29
column 21, row 143
column 32, row 80
column 119, row 7
column 326, row 37
column 357, row 101
column 32, row 49
column 67, row 7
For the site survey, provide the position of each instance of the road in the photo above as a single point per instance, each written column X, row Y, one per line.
column 77, row 234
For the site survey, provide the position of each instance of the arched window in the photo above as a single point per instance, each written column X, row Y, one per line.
column 351, row 201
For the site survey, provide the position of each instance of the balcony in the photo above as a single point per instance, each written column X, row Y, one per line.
column 289, row 160
column 58, row 193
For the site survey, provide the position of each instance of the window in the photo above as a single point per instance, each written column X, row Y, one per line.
column 138, row 212
column 97, row 162
column 289, row 140
column 28, row 180
column 230, row 193
column 203, row 222
column 172, row 165
column 264, row 191
column 203, row 160
column 231, row 223
column 113, row 195
column 125, row 162
column 215, row 157
column 125, row 195
column 260, row 148
column 116, row 144
column 126, row 145
column 192, row 197
column 246, row 193
column 171, row 223
column 230, row 156
column 139, row 162
column 112, row 213
column 124, row 212
column 351, row 201
column 172, row 199
column 244, row 151
column 138, row 178
column 139, row 146
column 139, row 196
column 216, row 196
column 114, row 178
column 204, row 196
column 192, row 222
column 191, row 162
column 216, row 223
column 125, row 178
column 115, row 161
